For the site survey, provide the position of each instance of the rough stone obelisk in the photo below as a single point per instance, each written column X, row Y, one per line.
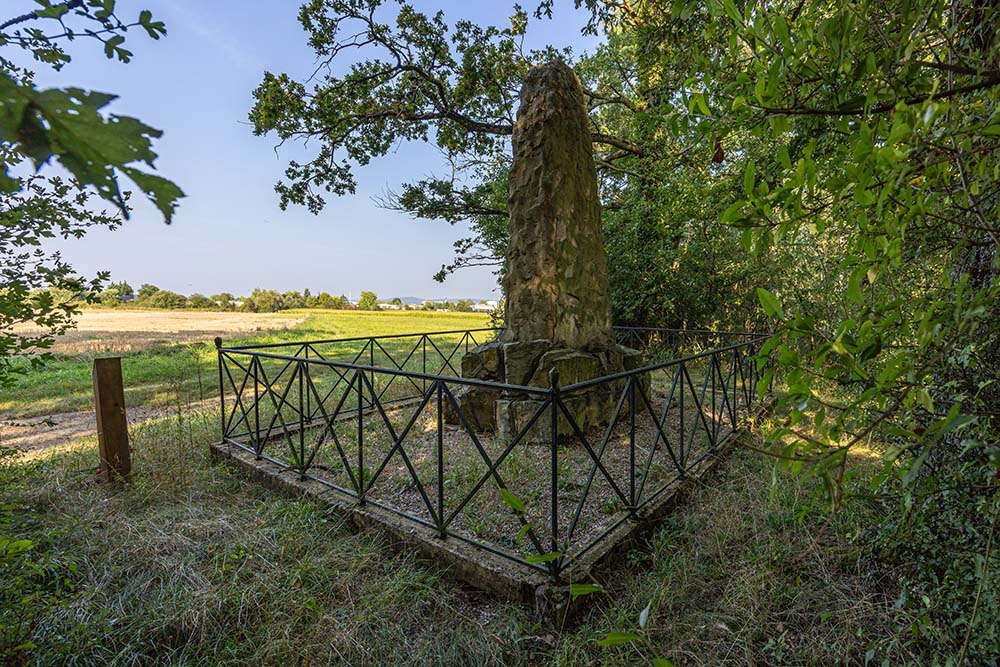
column 556, row 279
column 558, row 304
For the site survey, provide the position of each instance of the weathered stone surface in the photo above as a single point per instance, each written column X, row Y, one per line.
column 631, row 359
column 521, row 360
column 484, row 362
column 515, row 415
column 477, row 405
column 556, row 279
column 573, row 366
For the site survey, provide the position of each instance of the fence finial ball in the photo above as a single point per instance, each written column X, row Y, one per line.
column 218, row 341
column 554, row 376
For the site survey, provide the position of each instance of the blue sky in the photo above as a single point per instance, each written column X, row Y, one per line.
column 229, row 233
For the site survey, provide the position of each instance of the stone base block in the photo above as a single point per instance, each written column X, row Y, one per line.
column 478, row 406
column 529, row 364
column 588, row 410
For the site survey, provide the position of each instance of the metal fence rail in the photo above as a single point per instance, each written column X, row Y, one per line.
column 380, row 419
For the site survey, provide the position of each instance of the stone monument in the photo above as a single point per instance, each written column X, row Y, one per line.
column 558, row 304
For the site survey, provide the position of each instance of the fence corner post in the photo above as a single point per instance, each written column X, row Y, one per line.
column 112, row 426
column 556, row 565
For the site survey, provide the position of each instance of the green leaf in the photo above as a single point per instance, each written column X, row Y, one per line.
column 11, row 547
column 732, row 12
column 109, row 46
column 749, row 178
column 784, row 158
column 576, row 590
column 771, row 305
column 163, row 193
column 900, row 132
column 67, row 124
column 513, row 501
column 733, row 212
column 535, row 559
column 854, row 285
column 957, row 422
column 781, row 29
column 618, row 638
column 662, row 662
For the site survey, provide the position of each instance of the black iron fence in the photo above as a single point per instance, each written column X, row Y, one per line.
column 379, row 419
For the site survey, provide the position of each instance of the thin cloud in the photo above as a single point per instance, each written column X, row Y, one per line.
column 200, row 24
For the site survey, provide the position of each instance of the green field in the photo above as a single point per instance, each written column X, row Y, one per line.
column 180, row 373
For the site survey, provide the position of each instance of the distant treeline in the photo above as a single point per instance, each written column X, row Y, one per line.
column 122, row 295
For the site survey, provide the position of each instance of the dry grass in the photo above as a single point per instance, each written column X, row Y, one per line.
column 191, row 564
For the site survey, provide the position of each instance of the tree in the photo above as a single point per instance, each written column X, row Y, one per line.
column 835, row 161
column 368, row 301
column 224, row 300
column 200, row 301
column 65, row 125
column 326, row 300
column 293, row 300
column 40, row 288
column 421, row 79
column 145, row 291
column 882, row 124
column 115, row 293
column 167, row 299
column 264, row 301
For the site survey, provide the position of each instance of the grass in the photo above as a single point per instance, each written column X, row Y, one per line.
column 191, row 564
column 163, row 375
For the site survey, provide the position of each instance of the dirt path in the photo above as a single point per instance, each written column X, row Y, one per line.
column 37, row 433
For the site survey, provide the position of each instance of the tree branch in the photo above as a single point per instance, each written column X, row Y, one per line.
column 70, row 5
column 879, row 108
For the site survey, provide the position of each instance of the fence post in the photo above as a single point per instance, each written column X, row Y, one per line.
column 680, row 449
column 112, row 427
column 631, row 444
column 302, row 422
column 442, row 531
column 258, row 446
column 359, row 376
column 222, row 392
column 556, row 564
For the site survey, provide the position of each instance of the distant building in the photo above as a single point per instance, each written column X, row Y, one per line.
column 486, row 307
column 125, row 298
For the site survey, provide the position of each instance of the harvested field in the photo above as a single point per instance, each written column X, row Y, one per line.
column 133, row 330
column 168, row 357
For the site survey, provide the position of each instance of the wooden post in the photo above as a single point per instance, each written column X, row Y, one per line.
column 112, row 428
